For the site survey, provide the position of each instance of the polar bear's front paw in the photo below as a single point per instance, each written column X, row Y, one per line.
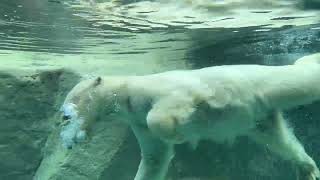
column 81, row 136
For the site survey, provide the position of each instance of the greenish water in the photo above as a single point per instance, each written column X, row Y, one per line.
column 139, row 37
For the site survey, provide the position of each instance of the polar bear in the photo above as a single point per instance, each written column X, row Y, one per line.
column 215, row 103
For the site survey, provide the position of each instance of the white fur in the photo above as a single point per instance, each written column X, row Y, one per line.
column 216, row 103
column 71, row 132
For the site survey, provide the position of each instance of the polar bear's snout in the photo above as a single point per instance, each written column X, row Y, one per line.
column 66, row 117
column 71, row 132
column 69, row 110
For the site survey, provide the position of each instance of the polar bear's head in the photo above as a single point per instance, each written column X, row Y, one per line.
column 87, row 101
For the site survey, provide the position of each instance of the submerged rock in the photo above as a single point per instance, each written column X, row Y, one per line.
column 27, row 102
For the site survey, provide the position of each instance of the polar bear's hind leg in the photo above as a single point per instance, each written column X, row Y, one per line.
column 155, row 155
column 275, row 134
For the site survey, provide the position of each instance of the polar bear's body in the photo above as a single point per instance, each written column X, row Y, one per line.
column 217, row 103
column 235, row 96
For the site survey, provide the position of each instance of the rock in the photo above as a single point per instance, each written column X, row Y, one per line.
column 84, row 161
column 27, row 102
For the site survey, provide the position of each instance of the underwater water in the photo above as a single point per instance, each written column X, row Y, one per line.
column 47, row 46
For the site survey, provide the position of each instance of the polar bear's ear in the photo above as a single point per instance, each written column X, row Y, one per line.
column 97, row 81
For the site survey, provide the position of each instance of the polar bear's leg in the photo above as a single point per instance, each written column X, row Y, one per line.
column 168, row 115
column 275, row 134
column 155, row 155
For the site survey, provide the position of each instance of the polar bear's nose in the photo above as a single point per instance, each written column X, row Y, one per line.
column 69, row 110
column 66, row 117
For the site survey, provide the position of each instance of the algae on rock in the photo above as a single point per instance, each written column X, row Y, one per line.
column 27, row 101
